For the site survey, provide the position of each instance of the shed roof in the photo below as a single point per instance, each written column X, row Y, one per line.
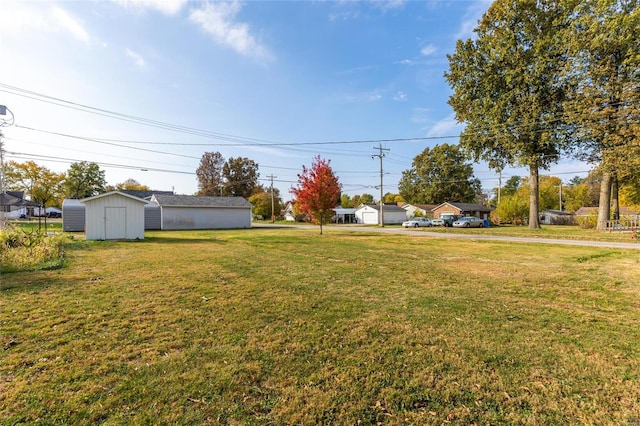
column 557, row 212
column 200, row 201
column 145, row 194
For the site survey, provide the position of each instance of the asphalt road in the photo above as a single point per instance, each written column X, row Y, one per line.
column 421, row 233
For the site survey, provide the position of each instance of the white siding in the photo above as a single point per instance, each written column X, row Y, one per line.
column 174, row 218
column 371, row 216
column 114, row 216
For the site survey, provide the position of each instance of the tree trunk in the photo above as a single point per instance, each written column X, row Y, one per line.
column 534, row 197
column 614, row 197
column 603, row 204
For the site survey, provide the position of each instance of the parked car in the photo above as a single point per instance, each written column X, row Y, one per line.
column 417, row 222
column 437, row 222
column 449, row 219
column 469, row 222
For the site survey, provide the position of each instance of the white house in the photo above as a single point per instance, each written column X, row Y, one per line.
column 202, row 212
column 288, row 213
column 114, row 216
column 413, row 210
column 369, row 214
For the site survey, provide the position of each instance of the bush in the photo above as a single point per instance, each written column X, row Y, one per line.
column 588, row 222
column 21, row 251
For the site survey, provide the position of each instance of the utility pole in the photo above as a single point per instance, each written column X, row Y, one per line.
column 381, row 155
column 3, row 122
column 499, row 185
column 273, row 215
column 560, row 201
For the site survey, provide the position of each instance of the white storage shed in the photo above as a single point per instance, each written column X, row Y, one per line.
column 202, row 212
column 114, row 216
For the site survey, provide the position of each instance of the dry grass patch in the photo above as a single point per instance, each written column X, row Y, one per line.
column 288, row 327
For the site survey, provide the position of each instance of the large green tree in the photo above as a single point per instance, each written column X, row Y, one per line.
column 265, row 203
column 131, row 185
column 507, row 88
column 209, row 174
column 84, row 179
column 603, row 103
column 439, row 174
column 240, row 177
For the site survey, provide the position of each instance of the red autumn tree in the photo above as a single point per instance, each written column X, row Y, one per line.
column 318, row 191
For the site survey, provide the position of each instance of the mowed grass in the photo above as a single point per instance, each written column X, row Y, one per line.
column 284, row 326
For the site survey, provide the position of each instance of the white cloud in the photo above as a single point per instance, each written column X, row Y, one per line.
column 70, row 24
column 167, row 7
column 428, row 50
column 448, row 126
column 471, row 18
column 138, row 60
column 386, row 5
column 219, row 21
column 19, row 18
column 400, row 97
column 420, row 115
column 406, row 62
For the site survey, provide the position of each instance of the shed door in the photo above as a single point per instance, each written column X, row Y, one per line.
column 115, row 223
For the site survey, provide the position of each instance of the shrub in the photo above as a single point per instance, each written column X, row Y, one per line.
column 20, row 250
column 588, row 222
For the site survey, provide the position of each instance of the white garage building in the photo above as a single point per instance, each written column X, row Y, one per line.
column 202, row 212
column 369, row 214
column 114, row 216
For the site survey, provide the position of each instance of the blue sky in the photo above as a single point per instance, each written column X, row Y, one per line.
column 276, row 82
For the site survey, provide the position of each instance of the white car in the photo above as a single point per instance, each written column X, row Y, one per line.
column 417, row 222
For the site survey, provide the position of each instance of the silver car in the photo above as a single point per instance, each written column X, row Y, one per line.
column 469, row 222
column 417, row 222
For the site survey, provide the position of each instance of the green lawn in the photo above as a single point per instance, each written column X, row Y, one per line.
column 284, row 326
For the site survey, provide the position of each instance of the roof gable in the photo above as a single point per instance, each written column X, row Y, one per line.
column 111, row 194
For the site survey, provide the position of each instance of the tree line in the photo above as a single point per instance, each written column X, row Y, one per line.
column 543, row 79
column 41, row 185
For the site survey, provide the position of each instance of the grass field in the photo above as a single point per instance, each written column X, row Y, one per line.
column 285, row 326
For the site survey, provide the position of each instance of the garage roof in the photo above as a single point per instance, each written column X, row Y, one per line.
column 199, row 201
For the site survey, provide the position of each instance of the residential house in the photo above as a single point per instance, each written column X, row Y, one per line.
column 414, row 210
column 461, row 209
column 14, row 205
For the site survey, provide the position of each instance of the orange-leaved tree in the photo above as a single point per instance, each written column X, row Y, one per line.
column 318, row 191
